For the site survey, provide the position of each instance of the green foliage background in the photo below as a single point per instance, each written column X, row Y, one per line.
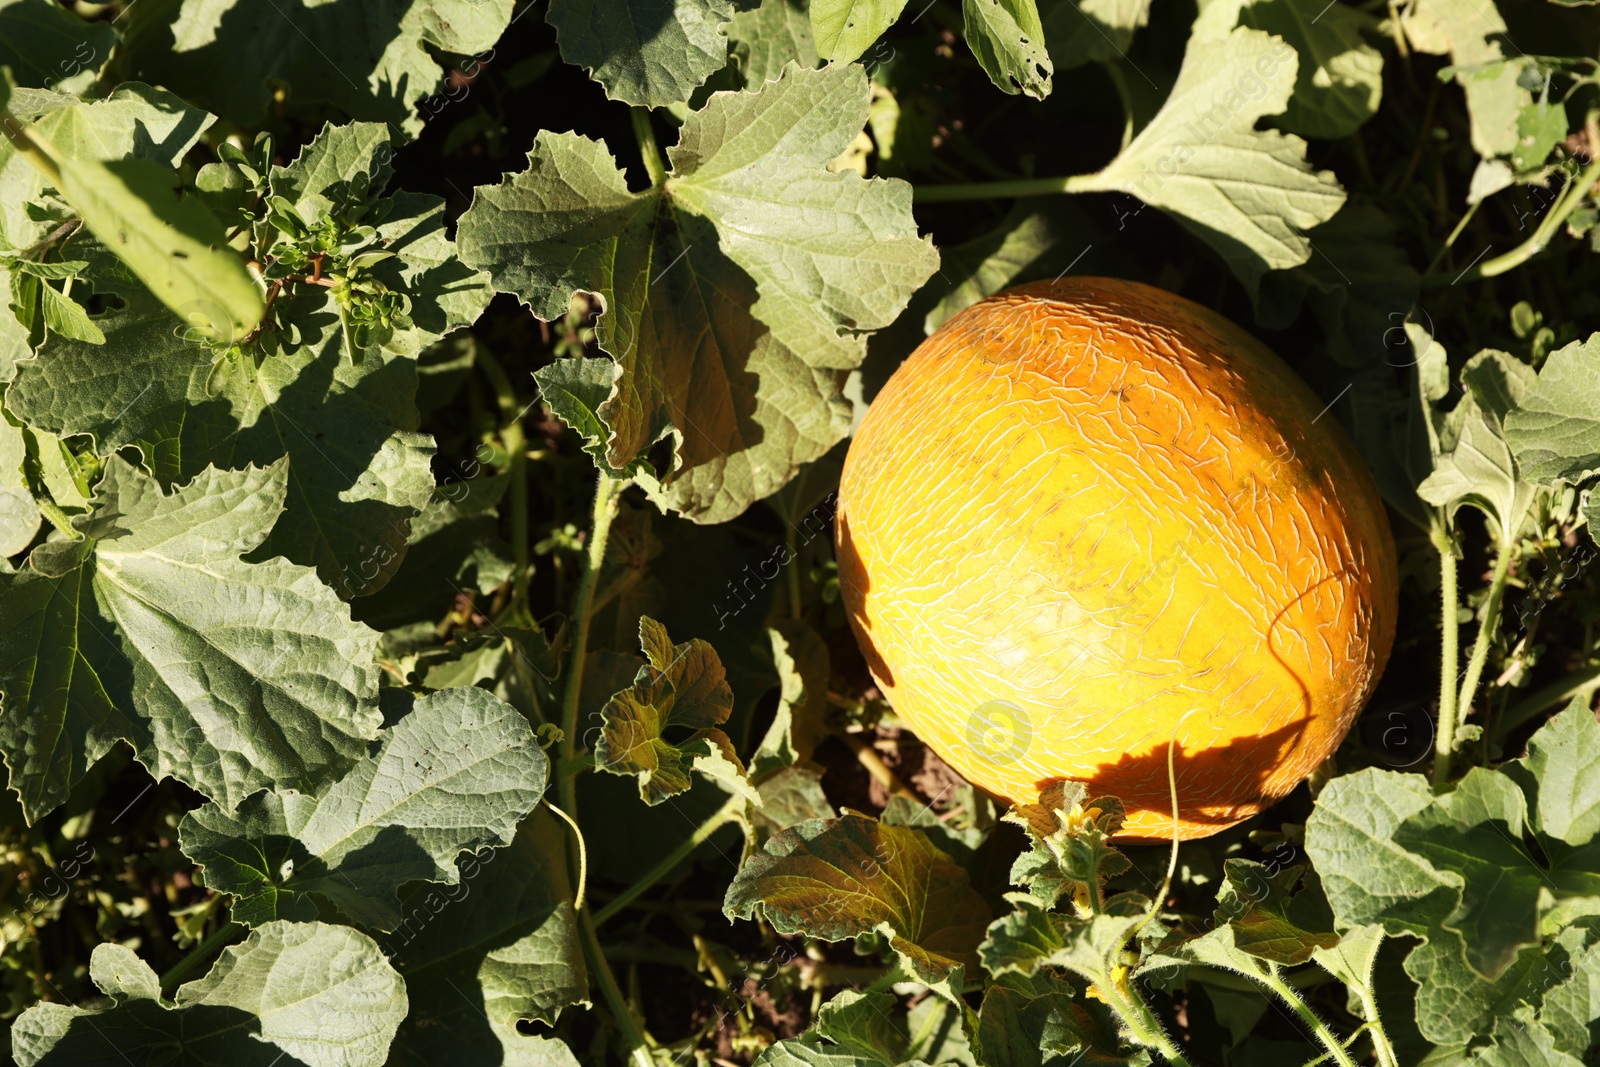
column 391, row 675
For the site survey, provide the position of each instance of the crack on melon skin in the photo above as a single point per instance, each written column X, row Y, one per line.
column 1105, row 507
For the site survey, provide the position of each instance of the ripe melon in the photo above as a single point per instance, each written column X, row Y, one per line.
column 1088, row 517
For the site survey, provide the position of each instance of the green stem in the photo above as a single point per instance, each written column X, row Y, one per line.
column 1075, row 183
column 1480, row 653
column 607, row 493
column 723, row 815
column 1172, row 860
column 632, row 1036
column 646, row 137
column 1141, row 1022
column 1329, row 1040
column 1466, row 217
column 583, row 856
column 1576, row 191
column 197, row 955
column 1387, row 1057
column 1449, row 650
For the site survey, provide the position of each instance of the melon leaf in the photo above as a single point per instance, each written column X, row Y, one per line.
column 455, row 775
column 360, row 470
column 1250, row 194
column 1270, row 921
column 1339, row 82
column 1452, row 871
column 845, row 29
column 152, row 630
column 836, row 879
column 306, row 993
column 768, row 37
column 1008, row 40
column 1086, row 31
column 499, row 946
column 645, row 52
column 866, row 1029
column 372, row 61
column 735, row 295
column 1038, row 1020
column 1555, row 430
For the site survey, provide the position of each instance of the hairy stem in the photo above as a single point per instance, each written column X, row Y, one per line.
column 720, row 818
column 1449, row 653
column 607, row 493
column 632, row 1035
column 1142, row 1024
column 1480, row 653
column 1328, row 1038
column 1387, row 1057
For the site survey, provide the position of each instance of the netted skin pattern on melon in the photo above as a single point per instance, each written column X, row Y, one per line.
column 1088, row 517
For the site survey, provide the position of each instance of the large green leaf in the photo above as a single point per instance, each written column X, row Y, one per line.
column 175, row 246
column 1270, row 921
column 868, row 1030
column 372, row 60
column 480, row 956
column 769, row 36
column 19, row 516
column 1030, row 939
column 455, row 775
column 153, row 631
column 835, row 879
column 1248, row 193
column 301, row 993
column 1473, row 462
column 735, row 295
column 1454, row 871
column 1037, row 1021
column 1339, row 83
column 1555, row 430
column 645, row 52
